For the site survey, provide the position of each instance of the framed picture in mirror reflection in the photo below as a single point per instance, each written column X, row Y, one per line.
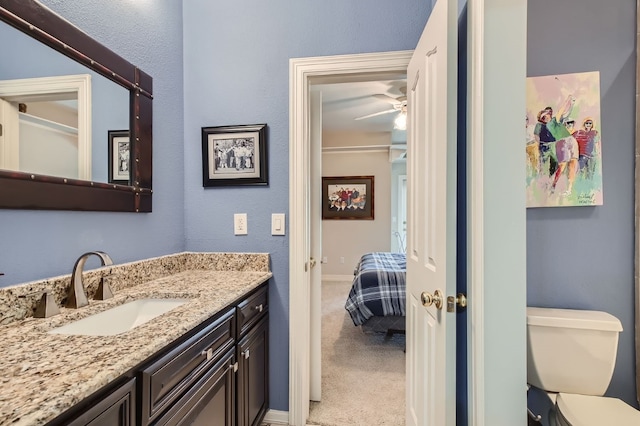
column 119, row 157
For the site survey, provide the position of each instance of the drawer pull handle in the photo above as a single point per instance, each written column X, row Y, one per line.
column 208, row 353
column 259, row 308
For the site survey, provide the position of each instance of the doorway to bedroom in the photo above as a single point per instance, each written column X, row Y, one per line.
column 353, row 123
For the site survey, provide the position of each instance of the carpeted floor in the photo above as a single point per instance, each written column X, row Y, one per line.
column 363, row 375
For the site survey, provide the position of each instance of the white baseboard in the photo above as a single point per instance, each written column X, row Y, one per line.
column 275, row 417
column 337, row 277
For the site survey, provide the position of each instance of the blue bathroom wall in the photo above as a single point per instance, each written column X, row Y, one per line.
column 39, row 244
column 582, row 257
column 236, row 57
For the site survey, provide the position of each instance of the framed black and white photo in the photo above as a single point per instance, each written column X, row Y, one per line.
column 234, row 155
column 119, row 154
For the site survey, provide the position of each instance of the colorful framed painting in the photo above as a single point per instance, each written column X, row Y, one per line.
column 347, row 197
column 563, row 140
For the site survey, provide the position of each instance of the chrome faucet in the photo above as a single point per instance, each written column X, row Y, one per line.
column 77, row 296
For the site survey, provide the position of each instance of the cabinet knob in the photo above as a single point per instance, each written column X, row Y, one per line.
column 208, row 353
column 246, row 354
column 259, row 308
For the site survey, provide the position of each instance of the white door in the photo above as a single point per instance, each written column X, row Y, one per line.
column 431, row 220
column 315, row 227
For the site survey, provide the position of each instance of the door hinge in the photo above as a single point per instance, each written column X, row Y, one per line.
column 460, row 300
column 0, row 129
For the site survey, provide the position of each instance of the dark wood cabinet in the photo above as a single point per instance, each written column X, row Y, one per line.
column 115, row 409
column 218, row 377
column 210, row 401
column 168, row 377
column 215, row 375
column 252, row 309
column 253, row 375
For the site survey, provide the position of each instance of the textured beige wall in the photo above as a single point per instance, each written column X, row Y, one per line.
column 331, row 139
column 350, row 239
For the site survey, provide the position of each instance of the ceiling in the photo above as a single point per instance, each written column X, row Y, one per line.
column 342, row 102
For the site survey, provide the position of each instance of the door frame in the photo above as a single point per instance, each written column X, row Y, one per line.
column 301, row 71
column 496, row 265
column 50, row 88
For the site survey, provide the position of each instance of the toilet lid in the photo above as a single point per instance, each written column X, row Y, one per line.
column 584, row 410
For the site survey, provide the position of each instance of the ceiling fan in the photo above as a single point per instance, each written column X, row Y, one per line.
column 399, row 104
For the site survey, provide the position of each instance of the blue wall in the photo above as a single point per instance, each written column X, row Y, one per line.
column 236, row 57
column 39, row 244
column 582, row 257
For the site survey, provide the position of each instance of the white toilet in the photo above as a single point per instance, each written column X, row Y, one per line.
column 571, row 355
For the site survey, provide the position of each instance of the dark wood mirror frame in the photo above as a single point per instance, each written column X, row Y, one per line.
column 20, row 190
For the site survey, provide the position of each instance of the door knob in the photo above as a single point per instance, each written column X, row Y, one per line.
column 313, row 262
column 460, row 301
column 429, row 299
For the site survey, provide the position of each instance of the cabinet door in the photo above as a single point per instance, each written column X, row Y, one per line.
column 253, row 375
column 165, row 380
column 252, row 309
column 116, row 409
column 210, row 401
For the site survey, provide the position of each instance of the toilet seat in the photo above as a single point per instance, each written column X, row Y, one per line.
column 586, row 410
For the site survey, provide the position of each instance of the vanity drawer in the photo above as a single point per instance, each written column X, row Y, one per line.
column 167, row 378
column 252, row 309
column 117, row 408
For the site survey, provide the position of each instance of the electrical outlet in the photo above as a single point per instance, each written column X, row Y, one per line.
column 341, row 259
column 240, row 224
column 324, row 260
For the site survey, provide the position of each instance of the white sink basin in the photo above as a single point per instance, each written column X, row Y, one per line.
column 121, row 318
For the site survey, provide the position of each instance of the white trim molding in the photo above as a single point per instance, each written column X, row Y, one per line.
column 301, row 72
column 475, row 198
column 496, row 224
column 50, row 88
column 276, row 417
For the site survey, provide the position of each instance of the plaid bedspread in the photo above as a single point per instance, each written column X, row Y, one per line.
column 379, row 287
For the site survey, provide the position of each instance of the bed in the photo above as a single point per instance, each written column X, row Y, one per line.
column 377, row 297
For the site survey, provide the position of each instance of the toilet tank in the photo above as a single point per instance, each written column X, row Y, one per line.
column 571, row 351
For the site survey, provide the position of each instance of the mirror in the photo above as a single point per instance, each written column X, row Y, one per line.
column 56, row 113
column 100, row 107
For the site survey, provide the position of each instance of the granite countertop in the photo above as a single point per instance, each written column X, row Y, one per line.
column 42, row 375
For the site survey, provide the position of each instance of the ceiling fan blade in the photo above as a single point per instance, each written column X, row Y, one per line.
column 375, row 114
column 386, row 98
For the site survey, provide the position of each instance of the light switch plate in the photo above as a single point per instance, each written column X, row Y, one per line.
column 240, row 224
column 277, row 224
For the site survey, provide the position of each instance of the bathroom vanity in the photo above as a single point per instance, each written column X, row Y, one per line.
column 203, row 362
column 216, row 373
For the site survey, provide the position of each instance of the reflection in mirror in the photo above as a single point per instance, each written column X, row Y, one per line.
column 55, row 112
column 112, row 79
